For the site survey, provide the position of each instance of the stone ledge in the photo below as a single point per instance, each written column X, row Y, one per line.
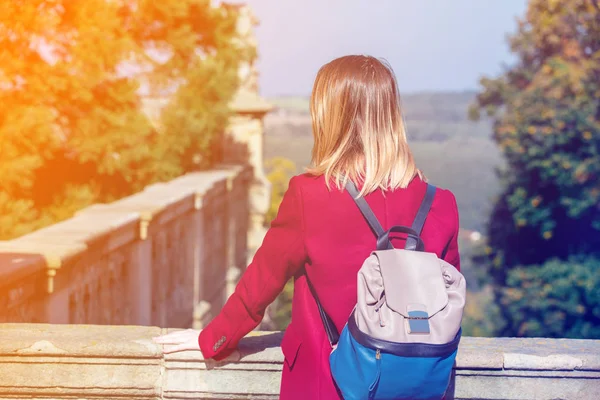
column 78, row 341
column 531, row 353
column 89, row 361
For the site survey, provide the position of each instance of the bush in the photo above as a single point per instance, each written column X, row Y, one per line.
column 555, row 299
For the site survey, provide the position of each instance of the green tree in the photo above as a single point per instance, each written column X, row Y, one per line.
column 203, row 73
column 546, row 113
column 72, row 126
column 280, row 171
column 555, row 299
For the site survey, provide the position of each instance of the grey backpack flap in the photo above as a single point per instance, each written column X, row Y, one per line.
column 409, row 297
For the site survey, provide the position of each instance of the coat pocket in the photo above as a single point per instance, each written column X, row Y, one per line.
column 290, row 344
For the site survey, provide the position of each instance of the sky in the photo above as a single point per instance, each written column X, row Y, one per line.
column 432, row 45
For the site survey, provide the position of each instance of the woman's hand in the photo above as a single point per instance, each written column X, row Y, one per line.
column 179, row 341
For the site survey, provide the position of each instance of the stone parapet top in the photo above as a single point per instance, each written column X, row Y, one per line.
column 115, row 362
column 54, row 254
column 529, row 353
column 82, row 228
column 136, row 342
column 79, row 341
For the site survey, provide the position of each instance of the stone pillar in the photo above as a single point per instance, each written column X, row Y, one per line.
column 244, row 139
column 246, row 134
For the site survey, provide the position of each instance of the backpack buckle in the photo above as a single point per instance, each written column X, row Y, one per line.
column 418, row 321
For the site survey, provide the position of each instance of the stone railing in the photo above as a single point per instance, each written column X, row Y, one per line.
column 103, row 362
column 160, row 257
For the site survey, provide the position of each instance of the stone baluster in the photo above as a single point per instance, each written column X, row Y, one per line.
column 199, row 183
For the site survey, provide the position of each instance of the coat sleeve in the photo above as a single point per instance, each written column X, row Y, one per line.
column 280, row 256
column 451, row 254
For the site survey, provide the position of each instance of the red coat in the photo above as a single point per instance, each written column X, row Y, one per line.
column 323, row 233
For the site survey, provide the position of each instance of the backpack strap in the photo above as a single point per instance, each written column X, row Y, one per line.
column 365, row 209
column 333, row 336
column 419, row 221
column 417, row 225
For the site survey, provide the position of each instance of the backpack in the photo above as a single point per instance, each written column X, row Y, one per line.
column 401, row 339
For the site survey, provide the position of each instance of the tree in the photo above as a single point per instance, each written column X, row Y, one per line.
column 72, row 73
column 546, row 113
column 202, row 73
column 555, row 299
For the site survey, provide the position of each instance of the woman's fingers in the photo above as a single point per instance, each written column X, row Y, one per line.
column 168, row 340
column 181, row 347
column 175, row 337
column 175, row 348
column 179, row 341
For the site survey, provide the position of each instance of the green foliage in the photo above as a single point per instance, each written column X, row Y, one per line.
column 72, row 127
column 279, row 172
column 546, row 112
column 555, row 299
column 211, row 79
column 482, row 316
column 16, row 215
column 282, row 314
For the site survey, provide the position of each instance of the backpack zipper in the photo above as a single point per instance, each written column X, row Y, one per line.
column 375, row 384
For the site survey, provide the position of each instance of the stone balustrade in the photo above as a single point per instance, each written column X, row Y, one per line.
column 166, row 256
column 116, row 362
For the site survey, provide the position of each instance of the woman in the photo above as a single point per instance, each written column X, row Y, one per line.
column 320, row 234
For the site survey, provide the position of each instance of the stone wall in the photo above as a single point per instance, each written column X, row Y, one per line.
column 103, row 362
column 165, row 256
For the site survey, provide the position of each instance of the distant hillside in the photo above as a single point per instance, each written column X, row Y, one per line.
column 453, row 152
column 448, row 104
column 429, row 116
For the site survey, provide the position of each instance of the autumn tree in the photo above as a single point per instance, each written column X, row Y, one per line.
column 72, row 77
column 546, row 112
column 202, row 75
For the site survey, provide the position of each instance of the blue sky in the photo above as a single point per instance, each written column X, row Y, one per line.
column 431, row 44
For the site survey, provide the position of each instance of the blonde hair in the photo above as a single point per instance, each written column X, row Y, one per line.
column 358, row 126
